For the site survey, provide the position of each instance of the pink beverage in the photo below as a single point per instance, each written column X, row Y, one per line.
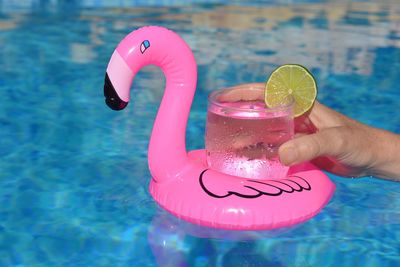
column 243, row 136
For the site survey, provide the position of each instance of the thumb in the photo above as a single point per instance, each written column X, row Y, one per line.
column 327, row 142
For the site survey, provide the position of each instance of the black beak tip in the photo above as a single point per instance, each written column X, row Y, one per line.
column 112, row 98
column 115, row 104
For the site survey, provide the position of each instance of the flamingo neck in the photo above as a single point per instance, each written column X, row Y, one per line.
column 167, row 148
column 167, row 154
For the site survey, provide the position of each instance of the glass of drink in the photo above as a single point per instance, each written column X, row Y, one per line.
column 243, row 135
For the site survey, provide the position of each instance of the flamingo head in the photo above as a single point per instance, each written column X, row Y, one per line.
column 130, row 55
column 150, row 45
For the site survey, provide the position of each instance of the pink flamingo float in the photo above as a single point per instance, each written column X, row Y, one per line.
column 182, row 182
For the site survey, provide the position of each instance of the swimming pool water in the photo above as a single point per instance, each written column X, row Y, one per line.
column 73, row 173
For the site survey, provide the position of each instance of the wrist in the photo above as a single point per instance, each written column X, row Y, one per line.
column 387, row 155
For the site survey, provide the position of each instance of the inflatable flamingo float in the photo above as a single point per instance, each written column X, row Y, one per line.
column 182, row 182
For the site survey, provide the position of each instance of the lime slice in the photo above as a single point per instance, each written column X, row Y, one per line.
column 291, row 80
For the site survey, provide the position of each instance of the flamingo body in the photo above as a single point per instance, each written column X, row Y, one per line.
column 182, row 183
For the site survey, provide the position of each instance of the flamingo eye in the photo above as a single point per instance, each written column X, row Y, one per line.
column 145, row 44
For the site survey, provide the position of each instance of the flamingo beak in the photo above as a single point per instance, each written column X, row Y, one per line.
column 112, row 99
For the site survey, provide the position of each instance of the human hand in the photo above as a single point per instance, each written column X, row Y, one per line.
column 342, row 145
column 334, row 142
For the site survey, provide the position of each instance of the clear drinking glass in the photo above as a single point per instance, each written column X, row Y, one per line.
column 243, row 135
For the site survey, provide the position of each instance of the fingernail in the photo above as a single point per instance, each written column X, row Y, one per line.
column 288, row 155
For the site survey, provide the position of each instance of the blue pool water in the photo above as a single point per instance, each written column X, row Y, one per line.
column 73, row 173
